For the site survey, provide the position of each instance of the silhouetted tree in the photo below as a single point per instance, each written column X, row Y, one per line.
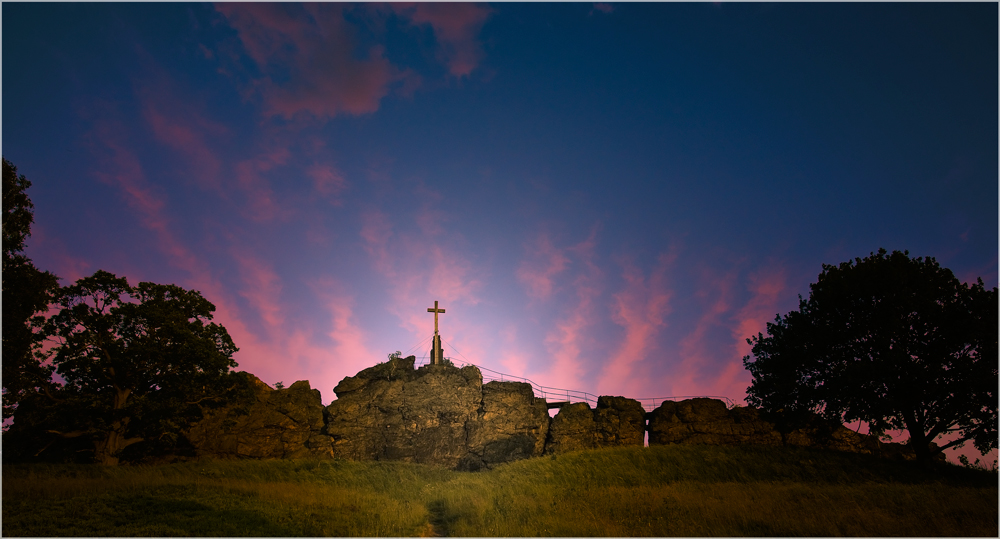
column 138, row 364
column 26, row 293
column 897, row 342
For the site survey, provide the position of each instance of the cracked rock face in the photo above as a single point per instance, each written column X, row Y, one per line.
column 708, row 421
column 392, row 412
column 444, row 415
column 437, row 414
column 279, row 423
column 572, row 429
column 511, row 424
column 615, row 422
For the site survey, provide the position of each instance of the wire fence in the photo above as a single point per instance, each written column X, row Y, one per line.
column 550, row 394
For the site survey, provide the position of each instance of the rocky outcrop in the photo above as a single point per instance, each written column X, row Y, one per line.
column 572, row 429
column 277, row 423
column 616, row 421
column 444, row 415
column 710, row 422
column 512, row 424
column 437, row 414
column 393, row 412
column 619, row 421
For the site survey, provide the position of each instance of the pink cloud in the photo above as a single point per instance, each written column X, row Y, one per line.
column 262, row 289
column 766, row 287
column 602, row 7
column 262, row 204
column 67, row 267
column 514, row 361
column 451, row 277
column 698, row 371
column 120, row 167
column 641, row 309
column 350, row 349
column 376, row 230
column 537, row 272
column 309, row 60
column 573, row 333
column 328, row 181
column 456, row 27
column 185, row 130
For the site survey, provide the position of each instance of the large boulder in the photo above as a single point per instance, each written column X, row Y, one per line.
column 512, row 424
column 619, row 421
column 276, row 423
column 708, row 421
column 572, row 429
column 391, row 412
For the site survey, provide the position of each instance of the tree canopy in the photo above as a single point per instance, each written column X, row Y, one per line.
column 138, row 362
column 894, row 341
column 26, row 293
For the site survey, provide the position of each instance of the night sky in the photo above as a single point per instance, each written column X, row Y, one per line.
column 604, row 197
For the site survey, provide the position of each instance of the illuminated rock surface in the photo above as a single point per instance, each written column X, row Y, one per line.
column 279, row 423
column 444, row 415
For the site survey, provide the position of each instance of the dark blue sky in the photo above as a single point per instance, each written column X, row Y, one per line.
column 604, row 197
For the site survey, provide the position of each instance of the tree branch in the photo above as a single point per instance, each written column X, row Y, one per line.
column 131, row 441
column 954, row 443
column 74, row 434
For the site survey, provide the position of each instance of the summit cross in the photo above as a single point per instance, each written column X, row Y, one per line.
column 435, row 310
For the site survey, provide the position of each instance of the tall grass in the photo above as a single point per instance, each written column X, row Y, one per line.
column 657, row 491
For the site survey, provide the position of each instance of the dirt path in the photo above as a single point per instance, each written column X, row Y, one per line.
column 438, row 525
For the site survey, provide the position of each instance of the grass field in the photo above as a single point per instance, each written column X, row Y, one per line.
column 656, row 491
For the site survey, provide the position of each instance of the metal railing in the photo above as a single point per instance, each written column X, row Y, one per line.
column 554, row 394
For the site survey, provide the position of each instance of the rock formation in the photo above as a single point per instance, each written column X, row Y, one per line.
column 437, row 414
column 444, row 415
column 572, row 429
column 708, row 421
column 279, row 423
column 511, row 424
column 616, row 421
column 393, row 412
column 619, row 421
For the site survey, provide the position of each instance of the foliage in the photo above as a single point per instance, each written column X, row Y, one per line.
column 897, row 342
column 26, row 293
column 395, row 355
column 964, row 460
column 631, row 491
column 138, row 364
column 279, row 385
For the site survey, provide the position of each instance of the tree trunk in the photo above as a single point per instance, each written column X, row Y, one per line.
column 918, row 439
column 107, row 449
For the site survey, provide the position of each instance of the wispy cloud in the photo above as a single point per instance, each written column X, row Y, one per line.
column 328, row 181
column 543, row 264
column 700, row 358
column 570, row 343
column 261, row 287
column 602, row 7
column 766, row 287
column 641, row 308
column 456, row 27
column 309, row 60
column 420, row 261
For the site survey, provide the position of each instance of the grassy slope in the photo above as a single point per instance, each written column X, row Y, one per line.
column 660, row 491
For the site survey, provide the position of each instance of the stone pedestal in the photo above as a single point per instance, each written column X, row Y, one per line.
column 437, row 353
